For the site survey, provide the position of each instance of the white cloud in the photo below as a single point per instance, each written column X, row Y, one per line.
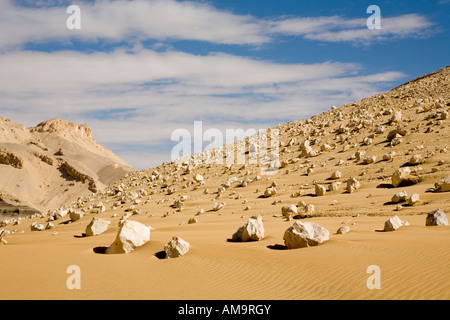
column 136, row 98
column 136, row 20
column 139, row 99
column 162, row 20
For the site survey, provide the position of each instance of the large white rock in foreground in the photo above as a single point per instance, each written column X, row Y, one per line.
column 436, row 218
column 96, row 226
column 253, row 229
column 131, row 235
column 305, row 234
column 393, row 223
column 175, row 248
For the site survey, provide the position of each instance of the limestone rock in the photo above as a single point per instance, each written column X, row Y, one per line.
column 416, row 159
column 352, row 185
column 37, row 227
column 399, row 197
column 336, row 175
column 198, row 178
column 192, row 220
column 389, row 156
column 175, row 248
column 290, row 209
column 49, row 226
column 75, row 215
column 131, row 235
column 252, row 230
column 305, row 234
column 96, row 226
column 270, row 191
column 60, row 213
column 443, row 185
column 393, row 223
column 218, row 206
column 414, row 199
column 334, row 186
column 403, row 177
column 320, row 190
column 343, row 230
column 436, row 218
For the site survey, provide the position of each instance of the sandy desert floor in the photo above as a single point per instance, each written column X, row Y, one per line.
column 413, row 260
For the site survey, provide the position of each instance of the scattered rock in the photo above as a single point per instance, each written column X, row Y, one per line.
column 305, row 234
column 37, row 227
column 252, row 230
column 403, row 177
column 131, row 235
column 436, row 218
column 399, row 197
column 270, row 191
column 343, row 230
column 175, row 248
column 75, row 215
column 290, row 209
column 334, row 186
column 442, row 185
column 414, row 199
column 192, row 220
column 218, row 206
column 96, row 226
column 320, row 190
column 352, row 185
column 49, row 226
column 416, row 160
column 393, row 224
column 336, row 175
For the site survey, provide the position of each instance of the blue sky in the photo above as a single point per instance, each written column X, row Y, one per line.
column 140, row 69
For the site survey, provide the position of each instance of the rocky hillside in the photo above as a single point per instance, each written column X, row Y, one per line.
column 375, row 146
column 380, row 155
column 46, row 166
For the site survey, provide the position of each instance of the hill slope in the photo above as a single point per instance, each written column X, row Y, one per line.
column 53, row 163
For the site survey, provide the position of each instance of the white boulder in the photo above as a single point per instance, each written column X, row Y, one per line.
column 399, row 197
column 96, row 226
column 252, row 230
column 305, row 234
column 403, row 177
column 131, row 235
column 393, row 223
column 289, row 210
column 436, row 218
column 352, row 185
column 37, row 227
column 414, row 199
column 320, row 190
column 75, row 215
column 175, row 248
column 343, row 230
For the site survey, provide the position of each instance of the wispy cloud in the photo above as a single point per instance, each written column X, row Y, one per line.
column 140, row 98
column 339, row 29
column 162, row 20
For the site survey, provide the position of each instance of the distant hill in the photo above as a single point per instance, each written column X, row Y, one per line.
column 46, row 166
